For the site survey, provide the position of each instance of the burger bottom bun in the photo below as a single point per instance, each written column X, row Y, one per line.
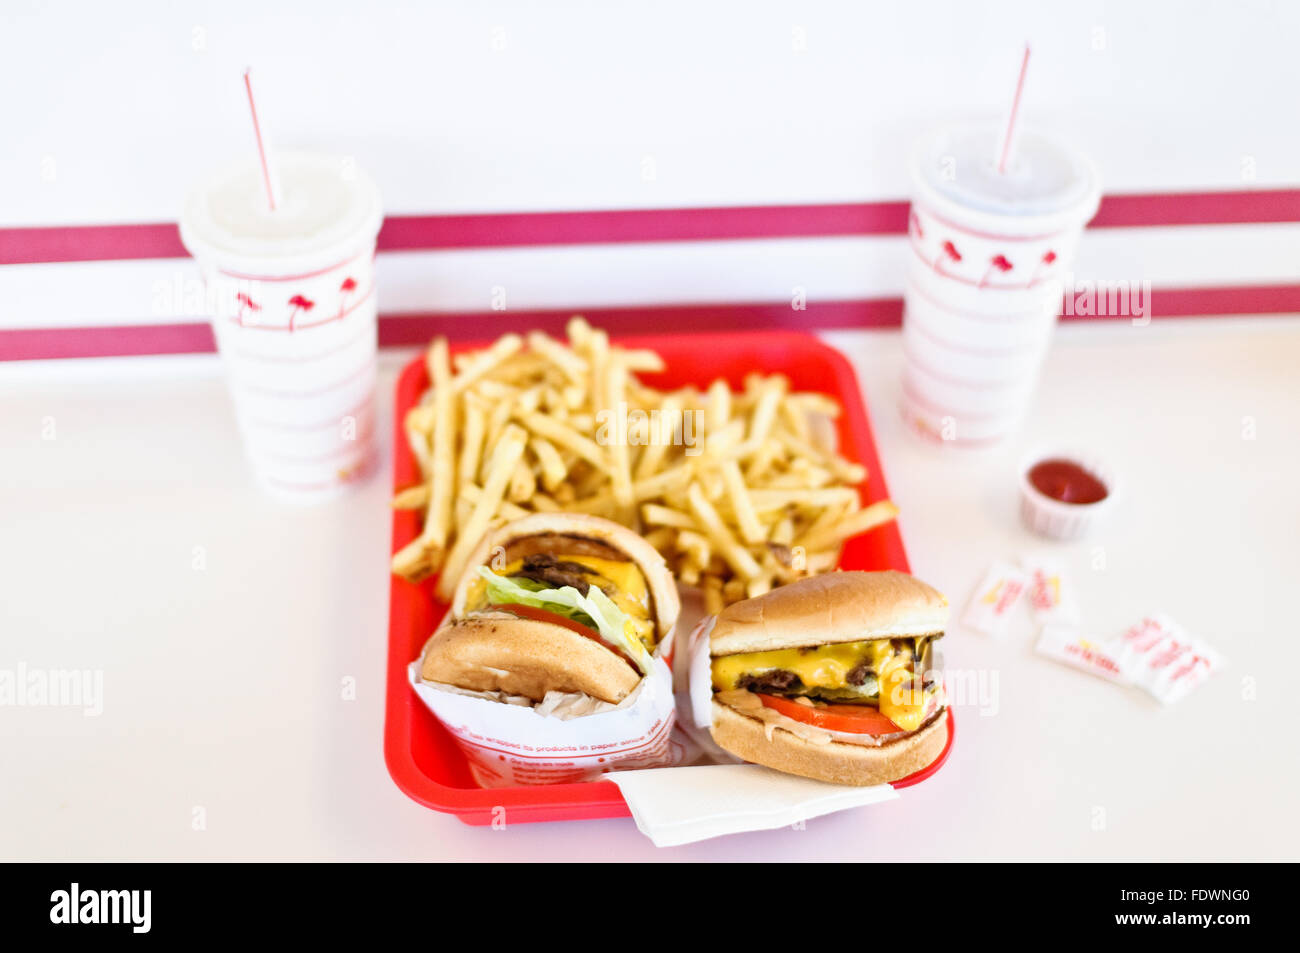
column 499, row 652
column 836, row 762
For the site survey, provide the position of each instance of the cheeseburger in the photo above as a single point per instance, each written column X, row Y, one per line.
column 829, row 677
column 556, row 602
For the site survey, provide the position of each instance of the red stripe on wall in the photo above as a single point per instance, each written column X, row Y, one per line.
column 397, row 330
column 29, row 246
column 432, row 232
column 1199, row 208
column 1208, row 302
column 30, row 344
column 642, row 225
column 407, row 329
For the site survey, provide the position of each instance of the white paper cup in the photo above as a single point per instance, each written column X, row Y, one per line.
column 939, row 423
column 295, row 315
column 989, row 319
column 988, row 251
column 984, row 367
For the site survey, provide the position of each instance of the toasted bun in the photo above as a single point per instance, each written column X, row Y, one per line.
column 498, row 652
column 659, row 579
column 835, row 607
column 836, row 762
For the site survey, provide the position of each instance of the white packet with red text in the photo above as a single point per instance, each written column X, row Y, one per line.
column 1161, row 657
column 1051, row 595
column 991, row 605
column 1068, row 645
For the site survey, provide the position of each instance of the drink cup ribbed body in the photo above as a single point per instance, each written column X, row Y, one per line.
column 988, row 254
column 292, row 299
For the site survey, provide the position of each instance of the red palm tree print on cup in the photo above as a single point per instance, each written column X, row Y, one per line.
column 247, row 308
column 996, row 263
column 950, row 253
column 345, row 292
column 1043, row 265
column 298, row 304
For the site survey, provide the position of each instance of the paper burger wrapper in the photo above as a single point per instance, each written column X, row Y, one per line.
column 566, row 738
column 722, row 794
column 699, row 694
column 700, row 673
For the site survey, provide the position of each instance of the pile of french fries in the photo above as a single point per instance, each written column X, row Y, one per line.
column 740, row 492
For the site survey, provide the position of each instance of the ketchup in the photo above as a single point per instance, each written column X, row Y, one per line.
column 1066, row 481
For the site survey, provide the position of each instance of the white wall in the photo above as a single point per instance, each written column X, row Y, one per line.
column 131, row 111
column 112, row 110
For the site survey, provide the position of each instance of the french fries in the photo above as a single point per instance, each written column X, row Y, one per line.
column 437, row 517
column 739, row 490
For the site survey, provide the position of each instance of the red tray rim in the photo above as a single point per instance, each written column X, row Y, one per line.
column 592, row 799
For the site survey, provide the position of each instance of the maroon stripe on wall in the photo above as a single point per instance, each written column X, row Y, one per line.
column 31, row 344
column 431, row 232
column 642, row 225
column 30, row 246
column 406, row 329
column 397, row 330
column 1209, row 302
column 1199, row 208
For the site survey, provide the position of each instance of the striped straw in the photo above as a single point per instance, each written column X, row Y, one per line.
column 1009, row 136
column 269, row 177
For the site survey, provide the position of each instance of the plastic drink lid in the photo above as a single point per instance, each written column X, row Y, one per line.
column 1047, row 187
column 329, row 211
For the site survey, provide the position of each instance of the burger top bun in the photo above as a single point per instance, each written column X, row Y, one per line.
column 497, row 652
column 835, row 607
column 659, row 579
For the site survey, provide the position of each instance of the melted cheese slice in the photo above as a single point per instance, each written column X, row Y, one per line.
column 622, row 580
column 625, row 584
column 828, row 666
column 901, row 700
column 825, row 666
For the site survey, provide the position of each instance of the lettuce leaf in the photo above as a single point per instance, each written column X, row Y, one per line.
column 595, row 609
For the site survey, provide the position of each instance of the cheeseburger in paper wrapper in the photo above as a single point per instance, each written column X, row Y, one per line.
column 552, row 665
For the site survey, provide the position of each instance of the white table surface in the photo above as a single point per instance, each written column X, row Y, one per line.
column 223, row 683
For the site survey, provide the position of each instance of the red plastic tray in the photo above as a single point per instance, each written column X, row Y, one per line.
column 422, row 757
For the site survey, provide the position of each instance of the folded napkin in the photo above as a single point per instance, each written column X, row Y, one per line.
column 675, row 806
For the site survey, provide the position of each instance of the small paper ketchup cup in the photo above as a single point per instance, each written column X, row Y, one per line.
column 1063, row 494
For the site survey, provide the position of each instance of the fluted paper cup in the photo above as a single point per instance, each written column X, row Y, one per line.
column 988, row 252
column 295, row 316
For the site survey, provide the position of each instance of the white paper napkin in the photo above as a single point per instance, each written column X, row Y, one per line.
column 675, row 806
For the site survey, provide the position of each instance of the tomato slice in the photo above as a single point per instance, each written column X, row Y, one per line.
column 545, row 615
column 856, row 719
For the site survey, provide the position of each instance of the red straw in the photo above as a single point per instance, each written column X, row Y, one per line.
column 1015, row 109
column 267, row 179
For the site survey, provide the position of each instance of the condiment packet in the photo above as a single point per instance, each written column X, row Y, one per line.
column 1051, row 595
column 1066, row 644
column 991, row 605
column 1161, row 657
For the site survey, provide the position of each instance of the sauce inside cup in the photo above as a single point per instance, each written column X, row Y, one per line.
column 1067, row 482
